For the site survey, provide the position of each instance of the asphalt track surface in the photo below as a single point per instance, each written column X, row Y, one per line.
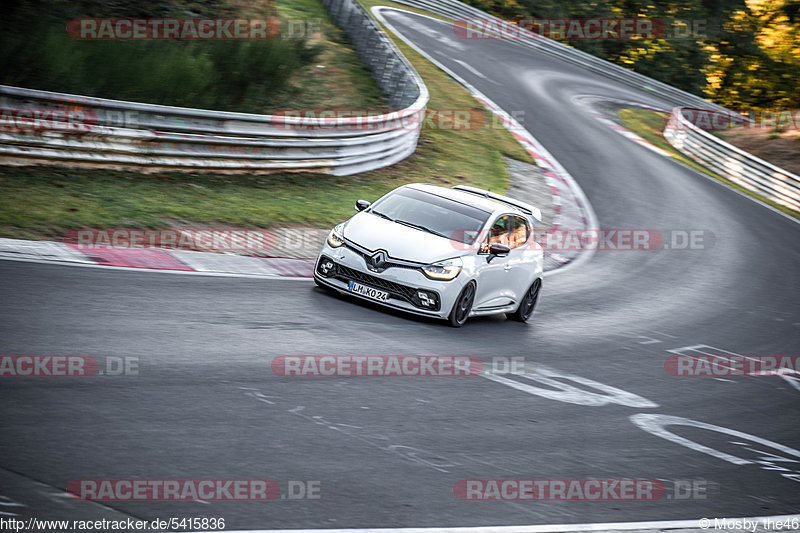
column 388, row 451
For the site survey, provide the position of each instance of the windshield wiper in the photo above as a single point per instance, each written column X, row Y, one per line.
column 378, row 213
column 423, row 228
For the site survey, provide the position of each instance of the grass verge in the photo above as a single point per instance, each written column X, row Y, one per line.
column 336, row 79
column 650, row 126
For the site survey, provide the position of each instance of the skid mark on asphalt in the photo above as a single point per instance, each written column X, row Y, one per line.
column 255, row 393
column 374, row 439
column 411, row 454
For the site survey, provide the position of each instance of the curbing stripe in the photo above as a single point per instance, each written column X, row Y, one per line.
column 131, row 257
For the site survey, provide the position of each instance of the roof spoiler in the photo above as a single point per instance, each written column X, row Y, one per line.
column 528, row 209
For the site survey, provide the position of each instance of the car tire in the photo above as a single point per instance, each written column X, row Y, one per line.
column 528, row 303
column 461, row 309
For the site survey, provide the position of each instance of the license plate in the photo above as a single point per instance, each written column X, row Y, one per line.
column 369, row 292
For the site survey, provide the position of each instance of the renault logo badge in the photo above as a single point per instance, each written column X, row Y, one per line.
column 377, row 261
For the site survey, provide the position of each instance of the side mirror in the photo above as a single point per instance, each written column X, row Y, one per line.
column 361, row 205
column 497, row 250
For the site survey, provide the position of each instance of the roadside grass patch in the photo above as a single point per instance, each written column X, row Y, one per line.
column 650, row 126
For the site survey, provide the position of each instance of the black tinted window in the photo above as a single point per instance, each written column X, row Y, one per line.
column 446, row 217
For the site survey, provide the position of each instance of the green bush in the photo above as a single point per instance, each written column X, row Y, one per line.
column 227, row 75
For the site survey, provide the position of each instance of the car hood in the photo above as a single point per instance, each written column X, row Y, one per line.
column 400, row 242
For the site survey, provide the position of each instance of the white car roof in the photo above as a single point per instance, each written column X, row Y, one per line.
column 471, row 198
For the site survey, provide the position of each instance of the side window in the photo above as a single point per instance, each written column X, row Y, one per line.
column 509, row 230
column 519, row 232
column 498, row 234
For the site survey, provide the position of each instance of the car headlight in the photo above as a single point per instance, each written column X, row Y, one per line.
column 336, row 237
column 447, row 269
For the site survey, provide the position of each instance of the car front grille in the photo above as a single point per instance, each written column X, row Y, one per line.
column 390, row 263
column 403, row 292
column 426, row 299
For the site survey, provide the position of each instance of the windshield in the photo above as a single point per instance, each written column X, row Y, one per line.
column 433, row 214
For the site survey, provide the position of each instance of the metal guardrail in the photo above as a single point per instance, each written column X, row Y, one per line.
column 459, row 11
column 740, row 167
column 129, row 134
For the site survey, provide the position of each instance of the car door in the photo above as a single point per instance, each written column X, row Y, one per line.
column 518, row 267
column 493, row 278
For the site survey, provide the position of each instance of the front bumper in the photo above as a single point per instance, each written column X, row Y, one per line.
column 402, row 284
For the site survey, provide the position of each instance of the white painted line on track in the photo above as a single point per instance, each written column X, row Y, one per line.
column 659, row 525
column 560, row 390
column 470, row 68
column 657, row 424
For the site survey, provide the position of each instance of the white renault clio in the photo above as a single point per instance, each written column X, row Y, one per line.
column 439, row 252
